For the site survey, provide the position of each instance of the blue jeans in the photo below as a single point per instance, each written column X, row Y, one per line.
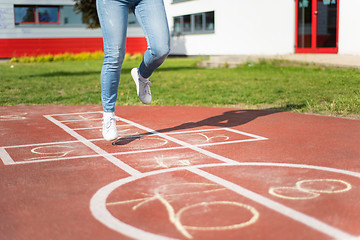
column 113, row 16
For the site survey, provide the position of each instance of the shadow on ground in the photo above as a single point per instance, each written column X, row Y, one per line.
column 229, row 119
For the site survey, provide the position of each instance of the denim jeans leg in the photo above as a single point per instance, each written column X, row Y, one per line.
column 152, row 18
column 113, row 17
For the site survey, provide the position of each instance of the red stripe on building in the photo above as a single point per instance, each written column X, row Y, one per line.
column 40, row 46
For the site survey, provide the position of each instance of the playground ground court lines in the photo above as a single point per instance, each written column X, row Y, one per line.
column 64, row 151
column 57, row 155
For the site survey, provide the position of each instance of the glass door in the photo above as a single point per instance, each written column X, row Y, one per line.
column 317, row 26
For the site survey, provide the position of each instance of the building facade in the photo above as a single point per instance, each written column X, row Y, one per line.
column 244, row 27
column 36, row 27
column 198, row 27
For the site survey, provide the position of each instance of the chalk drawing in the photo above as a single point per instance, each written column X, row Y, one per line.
column 292, row 193
column 209, row 139
column 13, row 117
column 169, row 161
column 252, row 220
column 309, row 189
column 52, row 151
column 99, row 204
column 175, row 217
column 324, row 185
column 150, row 142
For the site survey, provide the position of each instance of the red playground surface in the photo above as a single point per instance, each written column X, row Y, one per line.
column 177, row 173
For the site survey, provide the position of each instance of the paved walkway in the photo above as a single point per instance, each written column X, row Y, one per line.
column 321, row 59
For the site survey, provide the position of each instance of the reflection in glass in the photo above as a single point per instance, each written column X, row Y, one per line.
column 326, row 23
column 209, row 18
column 198, row 22
column 304, row 23
column 177, row 24
column 48, row 14
column 24, row 14
column 187, row 23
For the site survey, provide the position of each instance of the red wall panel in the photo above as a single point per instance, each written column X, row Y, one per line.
column 40, row 46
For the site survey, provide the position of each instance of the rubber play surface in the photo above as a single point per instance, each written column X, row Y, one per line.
column 178, row 173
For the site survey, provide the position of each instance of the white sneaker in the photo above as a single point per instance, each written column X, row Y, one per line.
column 142, row 86
column 109, row 130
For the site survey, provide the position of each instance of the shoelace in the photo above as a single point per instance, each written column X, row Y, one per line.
column 109, row 121
column 147, row 85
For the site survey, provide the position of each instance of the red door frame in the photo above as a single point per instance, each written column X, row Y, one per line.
column 313, row 48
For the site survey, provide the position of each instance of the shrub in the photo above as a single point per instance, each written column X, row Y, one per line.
column 60, row 57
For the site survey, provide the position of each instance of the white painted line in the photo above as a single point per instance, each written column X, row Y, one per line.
column 282, row 209
column 5, row 157
column 56, row 159
column 246, row 134
column 95, row 148
column 222, row 143
column 88, row 128
column 80, row 120
column 40, row 144
column 195, row 131
column 97, row 155
column 114, row 154
column 101, row 213
column 187, row 145
column 153, row 133
column 81, row 113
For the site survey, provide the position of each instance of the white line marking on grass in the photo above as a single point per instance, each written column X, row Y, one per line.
column 95, row 148
column 5, row 157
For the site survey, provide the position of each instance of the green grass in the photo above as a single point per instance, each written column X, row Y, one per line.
column 283, row 85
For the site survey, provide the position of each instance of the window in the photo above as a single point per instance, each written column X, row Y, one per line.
column 56, row 16
column 176, row 1
column 194, row 23
column 24, row 15
column 48, row 15
column 36, row 14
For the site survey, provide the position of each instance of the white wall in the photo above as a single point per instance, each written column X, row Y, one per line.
column 9, row 30
column 349, row 27
column 256, row 27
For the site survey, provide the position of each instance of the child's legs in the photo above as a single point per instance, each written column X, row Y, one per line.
column 113, row 16
column 152, row 18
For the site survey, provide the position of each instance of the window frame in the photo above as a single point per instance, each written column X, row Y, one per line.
column 193, row 29
column 36, row 15
column 25, row 23
column 179, row 1
column 49, row 6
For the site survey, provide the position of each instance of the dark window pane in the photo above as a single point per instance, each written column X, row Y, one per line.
column 198, row 22
column 48, row 14
column 24, row 14
column 304, row 23
column 326, row 23
column 209, row 19
column 187, row 23
column 177, row 24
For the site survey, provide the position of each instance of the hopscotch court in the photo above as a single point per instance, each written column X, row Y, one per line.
column 178, row 184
